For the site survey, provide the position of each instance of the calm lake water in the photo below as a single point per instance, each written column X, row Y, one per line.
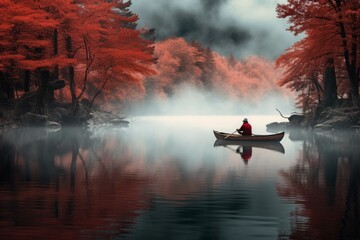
column 163, row 178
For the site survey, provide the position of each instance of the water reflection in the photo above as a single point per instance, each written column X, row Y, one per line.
column 325, row 185
column 245, row 152
column 165, row 179
column 151, row 181
column 53, row 183
column 245, row 148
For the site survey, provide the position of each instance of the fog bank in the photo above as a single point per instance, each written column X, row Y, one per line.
column 192, row 101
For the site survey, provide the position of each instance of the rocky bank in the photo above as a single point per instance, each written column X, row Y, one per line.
column 17, row 114
column 345, row 118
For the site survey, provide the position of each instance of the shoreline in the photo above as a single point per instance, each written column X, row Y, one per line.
column 61, row 115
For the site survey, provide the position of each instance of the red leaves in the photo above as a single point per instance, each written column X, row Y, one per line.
column 61, row 33
column 60, row 61
column 181, row 63
column 22, row 26
column 331, row 31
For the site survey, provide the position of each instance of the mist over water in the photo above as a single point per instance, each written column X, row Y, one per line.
column 192, row 101
column 164, row 177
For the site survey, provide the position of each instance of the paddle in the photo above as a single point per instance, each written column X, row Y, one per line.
column 230, row 134
column 230, row 148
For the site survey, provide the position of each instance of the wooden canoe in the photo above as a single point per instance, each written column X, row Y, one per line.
column 237, row 137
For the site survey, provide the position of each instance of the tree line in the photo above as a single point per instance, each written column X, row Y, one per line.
column 180, row 63
column 75, row 49
column 70, row 46
column 94, row 50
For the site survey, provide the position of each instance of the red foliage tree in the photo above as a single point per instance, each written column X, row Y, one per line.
column 23, row 43
column 251, row 78
column 180, row 62
column 111, row 51
column 83, row 41
column 331, row 40
column 177, row 64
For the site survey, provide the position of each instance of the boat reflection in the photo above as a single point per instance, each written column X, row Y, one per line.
column 244, row 148
column 245, row 152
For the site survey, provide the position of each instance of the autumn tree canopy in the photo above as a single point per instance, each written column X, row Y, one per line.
column 326, row 61
column 96, row 50
column 188, row 63
column 87, row 43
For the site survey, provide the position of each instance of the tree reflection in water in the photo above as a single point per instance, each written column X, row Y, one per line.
column 56, row 186
column 71, row 184
column 325, row 183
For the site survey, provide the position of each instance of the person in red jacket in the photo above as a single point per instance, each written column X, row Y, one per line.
column 245, row 128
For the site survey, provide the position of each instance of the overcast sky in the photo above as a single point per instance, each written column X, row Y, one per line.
column 238, row 27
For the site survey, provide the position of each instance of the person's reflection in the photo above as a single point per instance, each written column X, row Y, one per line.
column 245, row 152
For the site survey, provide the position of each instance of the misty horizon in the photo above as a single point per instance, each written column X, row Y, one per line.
column 194, row 101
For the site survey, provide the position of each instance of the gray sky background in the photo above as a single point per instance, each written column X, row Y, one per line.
column 239, row 27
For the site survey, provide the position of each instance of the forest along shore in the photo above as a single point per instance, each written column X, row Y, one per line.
column 15, row 114
column 339, row 118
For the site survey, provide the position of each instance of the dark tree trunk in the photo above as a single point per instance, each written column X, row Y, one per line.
column 56, row 53
column 354, row 88
column 42, row 98
column 330, row 87
column 2, row 82
column 11, row 89
column 8, row 86
column 319, row 90
column 55, row 76
column 27, row 75
column 71, row 70
column 350, row 55
column 98, row 93
column 72, row 83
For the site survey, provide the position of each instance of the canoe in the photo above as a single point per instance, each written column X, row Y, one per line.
column 270, row 145
column 237, row 137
